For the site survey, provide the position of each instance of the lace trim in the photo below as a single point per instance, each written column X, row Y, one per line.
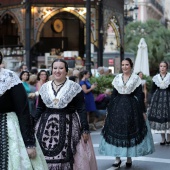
column 159, row 110
column 129, row 87
column 8, row 79
column 65, row 95
column 162, row 84
column 160, row 126
column 125, row 143
column 3, row 142
column 59, row 142
column 60, row 166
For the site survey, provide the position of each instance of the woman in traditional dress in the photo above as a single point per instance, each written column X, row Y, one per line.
column 159, row 110
column 126, row 132
column 18, row 147
column 62, row 128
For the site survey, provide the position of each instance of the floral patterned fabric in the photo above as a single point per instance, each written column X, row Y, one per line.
column 125, row 132
column 159, row 109
column 9, row 79
column 61, row 141
column 18, row 158
column 133, row 82
column 58, row 132
column 124, row 124
column 69, row 90
column 60, row 126
column 85, row 157
column 162, row 83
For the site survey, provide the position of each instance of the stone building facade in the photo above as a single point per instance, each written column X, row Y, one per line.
column 72, row 16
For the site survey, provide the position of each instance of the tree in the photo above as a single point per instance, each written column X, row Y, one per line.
column 157, row 38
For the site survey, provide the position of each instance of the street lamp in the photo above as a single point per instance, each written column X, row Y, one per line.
column 27, row 5
column 130, row 11
column 88, row 37
column 100, row 34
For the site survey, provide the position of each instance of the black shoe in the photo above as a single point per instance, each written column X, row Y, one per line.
column 167, row 142
column 128, row 164
column 117, row 164
column 163, row 143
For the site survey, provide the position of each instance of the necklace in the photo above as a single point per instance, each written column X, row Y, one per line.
column 124, row 83
column 59, row 84
column 162, row 77
column 56, row 92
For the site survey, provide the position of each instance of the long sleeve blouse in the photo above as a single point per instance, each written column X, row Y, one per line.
column 15, row 100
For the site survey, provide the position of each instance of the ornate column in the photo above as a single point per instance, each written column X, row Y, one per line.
column 114, row 8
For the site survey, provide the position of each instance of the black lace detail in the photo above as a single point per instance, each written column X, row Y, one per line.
column 159, row 110
column 58, row 134
column 3, row 142
column 125, row 125
column 65, row 166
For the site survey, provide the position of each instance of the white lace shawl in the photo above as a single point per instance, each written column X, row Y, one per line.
column 162, row 84
column 8, row 79
column 64, row 96
column 133, row 82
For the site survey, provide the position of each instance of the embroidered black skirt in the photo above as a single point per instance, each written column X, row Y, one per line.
column 124, row 125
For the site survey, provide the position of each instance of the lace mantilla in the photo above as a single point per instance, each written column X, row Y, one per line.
column 8, row 79
column 64, row 96
column 133, row 82
column 162, row 83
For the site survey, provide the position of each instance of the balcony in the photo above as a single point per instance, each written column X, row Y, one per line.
column 156, row 6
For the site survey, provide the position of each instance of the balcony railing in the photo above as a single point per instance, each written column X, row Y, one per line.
column 157, row 5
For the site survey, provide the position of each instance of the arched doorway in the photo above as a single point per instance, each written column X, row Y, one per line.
column 8, row 30
column 69, row 38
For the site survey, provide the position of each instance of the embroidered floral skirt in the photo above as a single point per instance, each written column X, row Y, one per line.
column 159, row 111
column 59, row 134
column 17, row 155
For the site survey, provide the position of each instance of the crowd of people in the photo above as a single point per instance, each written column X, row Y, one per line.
column 45, row 118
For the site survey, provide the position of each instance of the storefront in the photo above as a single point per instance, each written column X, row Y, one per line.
column 55, row 28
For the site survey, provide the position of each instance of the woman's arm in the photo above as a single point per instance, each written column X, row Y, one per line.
column 145, row 92
column 40, row 108
column 111, row 101
column 139, row 94
column 114, row 93
column 153, row 89
column 21, row 107
column 80, row 107
column 85, row 90
column 38, row 86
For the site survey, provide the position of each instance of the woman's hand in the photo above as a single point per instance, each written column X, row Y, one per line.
column 145, row 100
column 94, row 86
column 85, row 137
column 145, row 116
column 31, row 153
column 31, row 95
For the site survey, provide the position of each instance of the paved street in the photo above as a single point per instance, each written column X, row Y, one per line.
column 159, row 160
